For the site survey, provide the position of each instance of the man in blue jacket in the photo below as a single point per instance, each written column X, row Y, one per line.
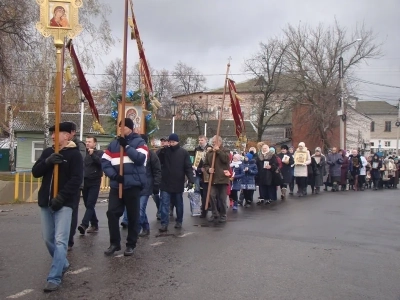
column 56, row 211
column 133, row 181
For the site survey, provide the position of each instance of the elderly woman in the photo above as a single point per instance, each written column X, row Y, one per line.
column 335, row 161
column 320, row 169
column 267, row 164
column 302, row 159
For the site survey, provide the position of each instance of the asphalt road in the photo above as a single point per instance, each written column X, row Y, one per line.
column 332, row 246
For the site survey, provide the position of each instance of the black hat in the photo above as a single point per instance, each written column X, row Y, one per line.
column 72, row 124
column 64, row 126
column 128, row 123
column 284, row 147
column 173, row 137
column 145, row 137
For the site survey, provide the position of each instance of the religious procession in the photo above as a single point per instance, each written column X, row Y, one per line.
column 154, row 183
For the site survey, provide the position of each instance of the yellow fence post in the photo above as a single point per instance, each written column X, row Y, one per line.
column 16, row 187
column 23, row 186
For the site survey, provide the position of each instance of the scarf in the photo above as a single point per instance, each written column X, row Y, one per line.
column 235, row 164
column 265, row 156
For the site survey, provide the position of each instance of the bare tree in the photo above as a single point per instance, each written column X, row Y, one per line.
column 164, row 89
column 270, row 95
column 188, row 80
column 311, row 62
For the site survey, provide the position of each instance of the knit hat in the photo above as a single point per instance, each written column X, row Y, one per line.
column 301, row 144
column 237, row 156
column 249, row 156
column 128, row 123
column 173, row 137
column 284, row 147
column 272, row 149
column 318, row 149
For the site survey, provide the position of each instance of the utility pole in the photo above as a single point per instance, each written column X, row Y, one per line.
column 398, row 127
column 341, row 112
column 11, row 132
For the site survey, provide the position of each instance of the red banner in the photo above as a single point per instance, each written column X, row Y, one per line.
column 82, row 80
column 236, row 109
column 143, row 67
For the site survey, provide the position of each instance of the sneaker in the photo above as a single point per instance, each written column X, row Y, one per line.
column 178, row 225
column 164, row 228
column 124, row 225
column 266, row 202
column 82, row 229
column 234, row 207
column 92, row 229
column 50, row 287
column 145, row 232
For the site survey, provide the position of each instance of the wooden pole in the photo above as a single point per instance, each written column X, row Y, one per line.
column 122, row 110
column 60, row 47
column 218, row 134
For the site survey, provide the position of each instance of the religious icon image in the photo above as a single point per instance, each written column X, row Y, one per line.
column 58, row 14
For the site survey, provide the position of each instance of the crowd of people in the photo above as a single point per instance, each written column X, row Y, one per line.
column 164, row 174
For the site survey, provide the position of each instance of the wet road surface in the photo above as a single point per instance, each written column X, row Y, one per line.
column 332, row 246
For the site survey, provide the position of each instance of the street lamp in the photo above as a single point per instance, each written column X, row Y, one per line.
column 82, row 98
column 398, row 127
column 342, row 111
column 173, row 110
column 206, row 117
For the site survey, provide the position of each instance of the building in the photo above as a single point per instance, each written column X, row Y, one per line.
column 383, row 130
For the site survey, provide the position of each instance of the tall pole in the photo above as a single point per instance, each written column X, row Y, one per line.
column 398, row 127
column 81, row 128
column 173, row 123
column 205, row 128
column 122, row 106
column 342, row 105
column 218, row 135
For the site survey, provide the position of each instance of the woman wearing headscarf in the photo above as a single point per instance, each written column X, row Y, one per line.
column 267, row 164
column 376, row 165
column 291, row 184
column 320, row 170
column 302, row 159
column 335, row 161
column 344, row 170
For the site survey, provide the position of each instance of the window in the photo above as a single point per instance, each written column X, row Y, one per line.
column 388, row 126
column 387, row 144
column 37, row 149
column 372, row 126
column 372, row 144
column 288, row 133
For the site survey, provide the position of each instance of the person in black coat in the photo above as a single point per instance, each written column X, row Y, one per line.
column 175, row 164
column 56, row 210
column 286, row 170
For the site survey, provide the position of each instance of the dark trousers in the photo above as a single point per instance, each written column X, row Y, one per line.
column 268, row 192
column 361, row 181
column 248, row 195
column 74, row 219
column 130, row 200
column 90, row 195
column 218, row 200
column 204, row 191
column 234, row 196
column 301, row 184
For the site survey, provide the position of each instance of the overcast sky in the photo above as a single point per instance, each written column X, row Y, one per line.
column 204, row 33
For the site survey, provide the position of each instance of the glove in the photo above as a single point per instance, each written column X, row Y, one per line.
column 122, row 141
column 57, row 203
column 119, row 178
column 189, row 185
column 156, row 189
column 54, row 159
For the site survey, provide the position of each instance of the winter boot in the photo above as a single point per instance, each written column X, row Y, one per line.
column 334, row 187
column 305, row 191
column 317, row 190
column 283, row 193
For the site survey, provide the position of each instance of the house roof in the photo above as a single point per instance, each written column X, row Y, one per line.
column 33, row 121
column 376, row 108
column 189, row 128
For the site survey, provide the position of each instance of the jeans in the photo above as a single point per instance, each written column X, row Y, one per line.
column 166, row 199
column 55, row 231
column 197, row 184
column 143, row 221
column 130, row 200
column 90, row 195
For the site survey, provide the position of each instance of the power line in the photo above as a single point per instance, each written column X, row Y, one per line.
column 374, row 83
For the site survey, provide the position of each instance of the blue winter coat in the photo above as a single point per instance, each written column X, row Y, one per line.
column 248, row 180
column 237, row 179
column 135, row 156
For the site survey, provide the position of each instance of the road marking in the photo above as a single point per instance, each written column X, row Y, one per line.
column 156, row 244
column 23, row 293
column 119, row 255
column 186, row 234
column 78, row 271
